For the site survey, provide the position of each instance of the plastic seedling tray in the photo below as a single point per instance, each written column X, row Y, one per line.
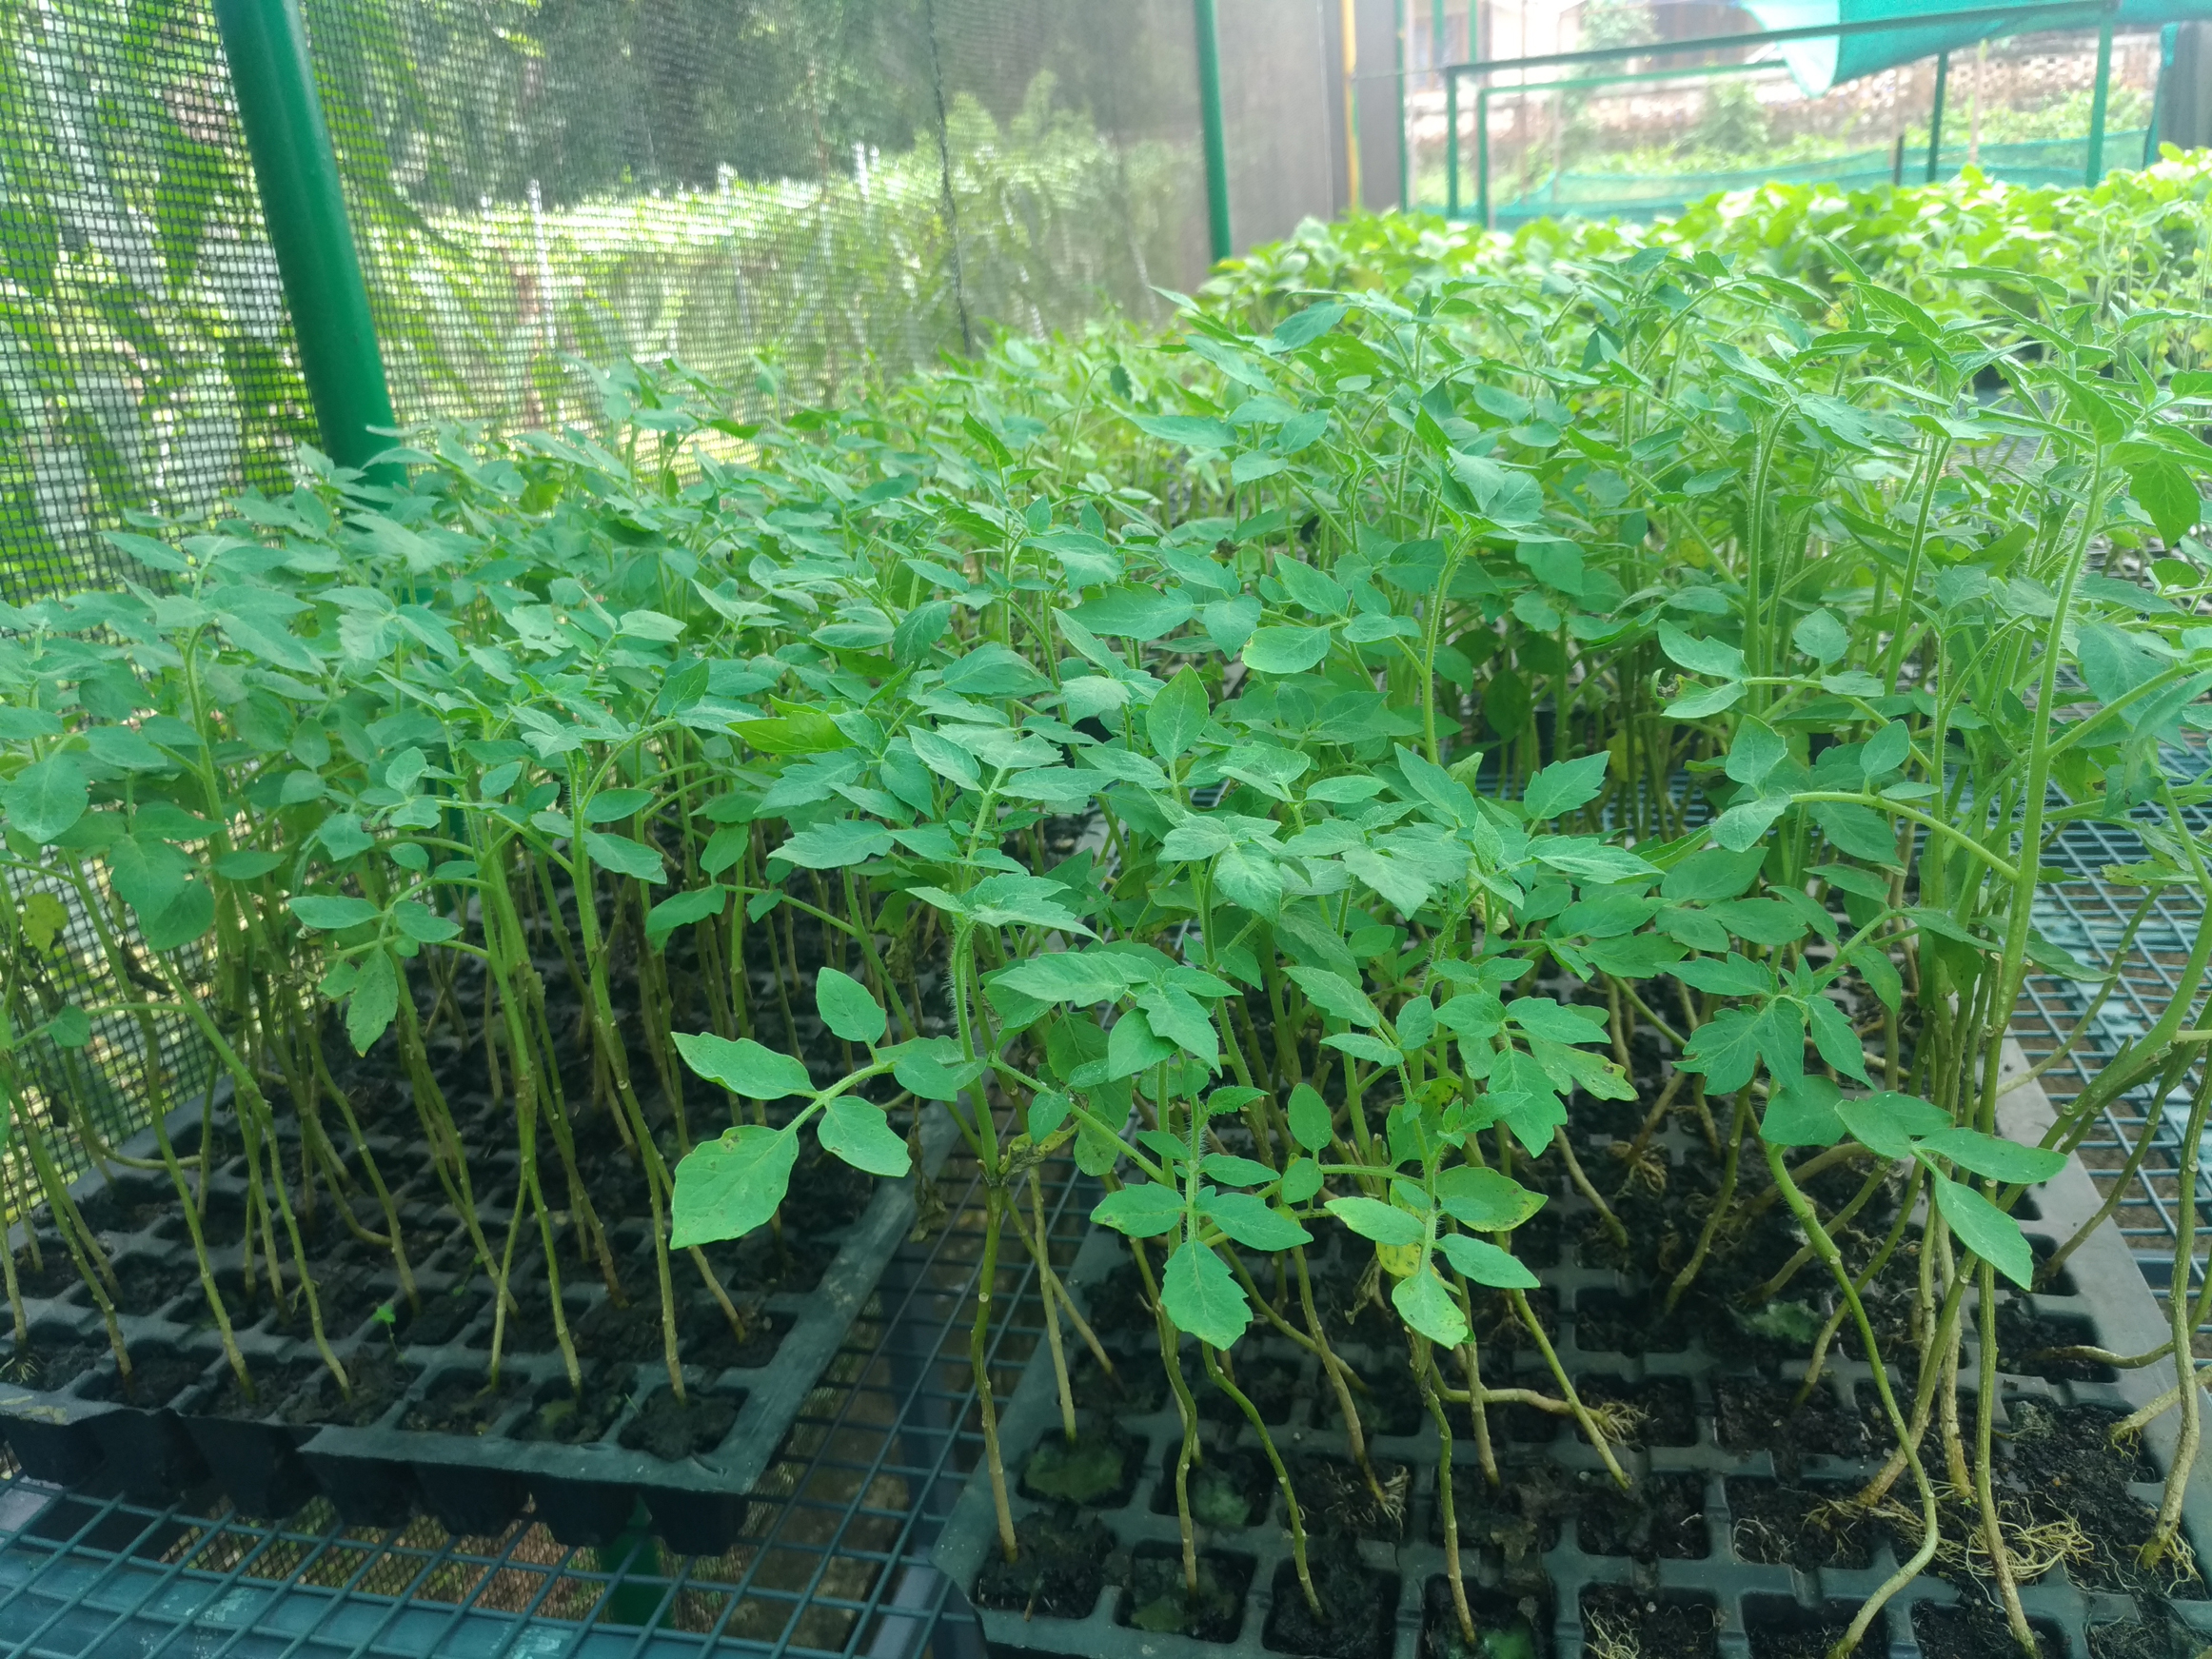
column 432, row 1436
column 1690, row 1573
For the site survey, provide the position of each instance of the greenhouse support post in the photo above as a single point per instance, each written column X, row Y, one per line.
column 1348, row 30
column 2169, row 42
column 266, row 45
column 1210, row 125
column 2094, row 171
column 1452, row 144
column 1405, row 150
column 1935, row 116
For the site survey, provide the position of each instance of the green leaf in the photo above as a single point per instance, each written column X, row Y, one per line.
column 2164, row 489
column 1737, row 976
column 1565, row 785
column 1425, row 1303
column 1144, row 1210
column 1309, row 1115
column 1133, row 613
column 1725, row 1049
column 1285, row 650
column 374, row 1001
column 693, row 906
column 70, row 1028
column 1485, row 1263
column 1542, row 1017
column 1838, row 1043
column 857, row 1132
column 612, row 805
column 1176, row 717
column 1709, row 656
column 1987, row 1155
column 1804, row 1114
column 1198, row 1293
column 1819, row 636
column 1739, row 828
column 933, row 1068
column 1190, row 431
column 1083, row 978
column 422, row 924
column 1333, row 993
column 1372, row 1218
column 1370, row 1049
column 744, row 1067
column 247, row 865
column 1310, row 325
column 183, row 919
column 45, row 797
column 1133, row 1046
column 1983, row 1228
column 623, row 856
column 149, row 873
column 1887, row 750
column 1712, row 874
column 1485, row 1199
column 331, row 913
column 849, row 1009
column 728, row 1186
column 1889, row 1123
column 1251, row 1220
column 1857, row 830
column 802, row 731
column 1301, row 1180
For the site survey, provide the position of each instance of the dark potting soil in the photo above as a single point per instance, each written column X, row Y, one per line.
column 630, row 1334
column 1755, row 1415
column 221, row 1225
column 440, row 1319
column 157, row 1377
column 1506, row 1627
column 377, row 1379
column 1520, row 1518
column 1270, row 1385
column 670, row 1429
column 1815, row 1525
column 1097, row 1470
column 710, row 1344
column 1660, row 1518
column 2064, row 1464
column 1231, row 1488
column 459, row 1403
column 570, row 1419
column 1136, row 1385
column 1631, row 1325
column 1975, row 1629
column 1780, row 1628
column 271, row 1385
column 2156, row 1636
column 54, row 1278
column 1389, row 1404
column 1361, row 1606
column 2027, row 1336
column 145, row 1284
column 1656, row 1625
column 1061, row 1569
column 1160, row 1597
column 50, row 1360
column 1337, row 1496
column 1659, row 1410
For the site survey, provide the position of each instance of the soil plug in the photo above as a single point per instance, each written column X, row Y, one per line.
column 1722, row 1201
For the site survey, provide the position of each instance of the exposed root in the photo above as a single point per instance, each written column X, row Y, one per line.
column 2032, row 1547
column 1646, row 1168
column 1610, row 1638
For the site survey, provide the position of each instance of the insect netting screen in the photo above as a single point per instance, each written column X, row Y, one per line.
column 783, row 195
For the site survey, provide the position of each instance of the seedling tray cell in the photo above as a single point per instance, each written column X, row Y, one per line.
column 1693, row 1564
column 431, row 1436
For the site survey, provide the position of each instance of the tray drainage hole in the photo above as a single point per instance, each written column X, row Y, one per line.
column 1779, row 1628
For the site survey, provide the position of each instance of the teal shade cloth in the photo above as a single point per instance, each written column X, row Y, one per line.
column 1817, row 65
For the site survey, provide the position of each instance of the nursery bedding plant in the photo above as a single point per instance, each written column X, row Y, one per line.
column 1655, row 683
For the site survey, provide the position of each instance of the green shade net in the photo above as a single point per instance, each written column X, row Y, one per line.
column 1819, row 64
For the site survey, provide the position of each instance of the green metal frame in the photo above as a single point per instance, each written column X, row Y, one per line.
column 2099, row 99
column 1935, row 115
column 1405, row 149
column 1216, row 141
column 2037, row 12
column 303, row 208
column 1482, row 96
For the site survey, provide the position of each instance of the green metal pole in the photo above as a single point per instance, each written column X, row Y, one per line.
column 1482, row 155
column 2095, row 170
column 1451, row 144
column 1935, row 116
column 1405, row 148
column 304, row 210
column 1210, row 122
column 2169, row 39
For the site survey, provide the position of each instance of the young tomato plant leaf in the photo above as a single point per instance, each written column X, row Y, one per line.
column 730, row 1185
column 1485, row 1263
column 1424, row 1302
column 848, row 1008
column 1983, row 1228
column 1200, row 1295
column 857, row 1132
column 744, row 1067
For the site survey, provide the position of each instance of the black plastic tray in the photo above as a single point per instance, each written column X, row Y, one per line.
column 2110, row 1295
column 380, row 1473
